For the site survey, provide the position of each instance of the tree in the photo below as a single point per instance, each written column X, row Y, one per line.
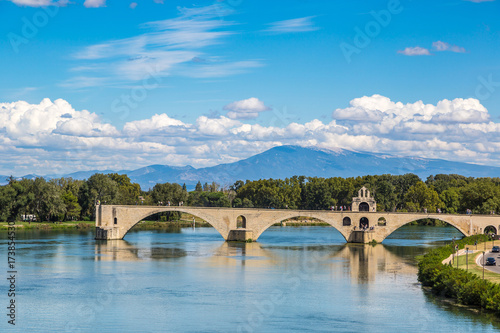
column 47, row 203
column 127, row 192
column 403, row 183
column 385, row 194
column 246, row 203
column 198, row 187
column 72, row 207
column 237, row 185
column 420, row 197
column 7, row 199
column 451, row 200
column 480, row 195
column 237, row 203
column 168, row 192
column 98, row 187
column 318, row 194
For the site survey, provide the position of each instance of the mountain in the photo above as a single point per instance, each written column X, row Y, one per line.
column 287, row 161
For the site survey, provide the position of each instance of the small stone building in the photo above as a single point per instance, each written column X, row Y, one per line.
column 364, row 202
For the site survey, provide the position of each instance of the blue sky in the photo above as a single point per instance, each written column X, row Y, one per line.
column 177, row 82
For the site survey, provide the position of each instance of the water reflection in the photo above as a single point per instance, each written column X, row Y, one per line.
column 121, row 250
column 366, row 262
column 193, row 281
column 363, row 263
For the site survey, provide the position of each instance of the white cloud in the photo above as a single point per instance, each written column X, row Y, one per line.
column 133, row 5
column 246, row 109
column 39, row 3
column 166, row 48
column 414, row 51
column 158, row 123
column 442, row 46
column 302, row 24
column 53, row 137
column 94, row 3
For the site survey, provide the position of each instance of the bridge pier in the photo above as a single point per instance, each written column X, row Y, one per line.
column 240, row 235
column 107, row 233
column 362, row 237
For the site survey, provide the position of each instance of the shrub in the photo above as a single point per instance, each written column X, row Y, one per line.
column 465, row 287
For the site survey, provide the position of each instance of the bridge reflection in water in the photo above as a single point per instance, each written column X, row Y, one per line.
column 361, row 262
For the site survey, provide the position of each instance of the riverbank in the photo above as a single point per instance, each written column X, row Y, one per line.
column 49, row 225
column 464, row 287
column 143, row 225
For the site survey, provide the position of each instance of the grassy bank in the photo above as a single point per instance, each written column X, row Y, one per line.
column 465, row 287
column 49, row 225
column 144, row 225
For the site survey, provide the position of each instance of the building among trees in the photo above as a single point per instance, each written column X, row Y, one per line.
column 364, row 202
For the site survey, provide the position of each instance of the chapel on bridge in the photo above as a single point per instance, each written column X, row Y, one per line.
column 364, row 202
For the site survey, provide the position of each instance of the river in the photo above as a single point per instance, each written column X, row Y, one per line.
column 294, row 279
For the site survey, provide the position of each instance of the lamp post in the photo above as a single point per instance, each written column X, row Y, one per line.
column 458, row 258
column 467, row 258
column 483, row 265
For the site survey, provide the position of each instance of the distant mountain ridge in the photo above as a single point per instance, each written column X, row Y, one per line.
column 288, row 161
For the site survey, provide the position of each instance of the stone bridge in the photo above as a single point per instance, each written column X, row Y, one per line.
column 114, row 221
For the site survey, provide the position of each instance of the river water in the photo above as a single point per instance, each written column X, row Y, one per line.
column 294, row 279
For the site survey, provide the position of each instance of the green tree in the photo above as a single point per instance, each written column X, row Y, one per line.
column 198, row 187
column 451, row 200
column 127, row 192
column 163, row 193
column 7, row 202
column 420, row 197
column 72, row 207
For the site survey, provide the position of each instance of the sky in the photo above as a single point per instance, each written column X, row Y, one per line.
column 118, row 85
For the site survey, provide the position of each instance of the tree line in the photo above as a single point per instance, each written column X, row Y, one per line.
column 66, row 199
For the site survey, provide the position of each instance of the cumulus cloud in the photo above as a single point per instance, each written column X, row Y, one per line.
column 53, row 137
column 415, row 51
column 246, row 108
column 442, row 46
column 302, row 24
column 463, row 120
column 158, row 123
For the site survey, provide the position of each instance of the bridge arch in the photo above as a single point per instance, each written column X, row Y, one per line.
column 364, row 223
column 336, row 224
column 391, row 228
column 217, row 225
column 241, row 222
column 490, row 229
column 364, row 207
